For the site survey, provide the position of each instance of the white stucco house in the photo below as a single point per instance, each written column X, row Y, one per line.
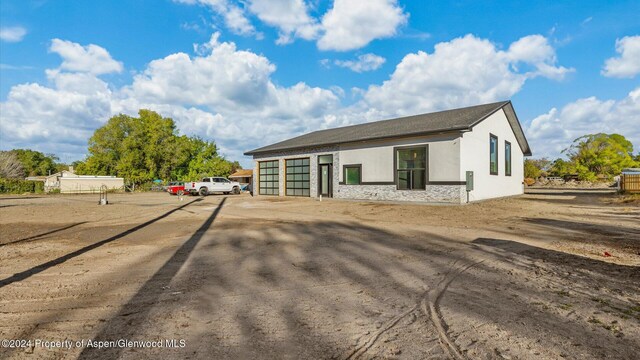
column 435, row 157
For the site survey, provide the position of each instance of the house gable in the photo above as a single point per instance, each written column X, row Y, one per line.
column 516, row 127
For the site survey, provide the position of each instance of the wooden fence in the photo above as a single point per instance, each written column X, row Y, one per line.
column 630, row 183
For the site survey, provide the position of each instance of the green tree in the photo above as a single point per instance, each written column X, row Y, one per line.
column 36, row 163
column 534, row 168
column 148, row 147
column 235, row 166
column 138, row 149
column 561, row 167
column 205, row 161
column 79, row 167
column 600, row 155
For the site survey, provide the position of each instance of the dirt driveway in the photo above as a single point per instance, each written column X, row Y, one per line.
column 243, row 278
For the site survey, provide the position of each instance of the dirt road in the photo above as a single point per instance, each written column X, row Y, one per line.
column 241, row 277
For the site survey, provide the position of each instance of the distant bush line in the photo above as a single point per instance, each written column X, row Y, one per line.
column 18, row 186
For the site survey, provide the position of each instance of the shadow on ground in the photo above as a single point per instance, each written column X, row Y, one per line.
column 57, row 261
column 346, row 290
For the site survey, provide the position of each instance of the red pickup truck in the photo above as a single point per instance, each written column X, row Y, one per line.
column 176, row 188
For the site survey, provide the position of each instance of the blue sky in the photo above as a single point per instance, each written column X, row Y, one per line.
column 248, row 73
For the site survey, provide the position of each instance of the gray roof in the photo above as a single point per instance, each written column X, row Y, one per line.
column 437, row 122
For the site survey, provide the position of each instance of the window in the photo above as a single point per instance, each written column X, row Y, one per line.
column 206, row 180
column 297, row 177
column 325, row 159
column 352, row 174
column 268, row 177
column 493, row 154
column 507, row 158
column 411, row 168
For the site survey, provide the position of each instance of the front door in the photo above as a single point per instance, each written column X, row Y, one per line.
column 325, row 188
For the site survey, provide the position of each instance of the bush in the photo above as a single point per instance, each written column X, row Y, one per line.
column 18, row 186
column 146, row 186
column 143, row 187
column 529, row 181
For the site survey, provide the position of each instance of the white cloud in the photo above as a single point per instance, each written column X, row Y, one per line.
column 220, row 94
column 347, row 25
column 463, row 71
column 627, row 65
column 326, row 63
column 235, row 19
column 353, row 24
column 291, row 17
column 233, row 15
column 92, row 58
column 15, row 67
column 554, row 131
column 223, row 78
column 58, row 119
column 366, row 62
column 536, row 51
column 12, row 34
column 225, row 94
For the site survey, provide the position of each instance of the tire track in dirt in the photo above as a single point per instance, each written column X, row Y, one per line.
column 430, row 304
column 360, row 350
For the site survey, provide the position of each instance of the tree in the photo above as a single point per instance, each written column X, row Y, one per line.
column 561, row 167
column 535, row 168
column 600, row 155
column 138, row 149
column 36, row 163
column 235, row 166
column 148, row 147
column 205, row 161
column 10, row 166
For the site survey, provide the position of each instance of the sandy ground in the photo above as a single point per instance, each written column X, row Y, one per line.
column 270, row 278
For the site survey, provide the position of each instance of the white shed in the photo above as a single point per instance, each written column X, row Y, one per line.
column 70, row 183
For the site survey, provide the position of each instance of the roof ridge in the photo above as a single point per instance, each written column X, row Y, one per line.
column 502, row 103
column 411, row 125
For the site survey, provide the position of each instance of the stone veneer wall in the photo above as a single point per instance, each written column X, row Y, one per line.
column 432, row 193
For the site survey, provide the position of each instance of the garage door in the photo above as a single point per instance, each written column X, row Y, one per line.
column 268, row 184
column 297, row 171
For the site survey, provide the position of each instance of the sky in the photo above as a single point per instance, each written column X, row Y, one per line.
column 249, row 73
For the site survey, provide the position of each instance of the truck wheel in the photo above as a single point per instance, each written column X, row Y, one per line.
column 204, row 191
column 236, row 190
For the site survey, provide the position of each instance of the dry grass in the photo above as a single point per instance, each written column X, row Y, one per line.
column 624, row 199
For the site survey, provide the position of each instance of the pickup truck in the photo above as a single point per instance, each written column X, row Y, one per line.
column 210, row 185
